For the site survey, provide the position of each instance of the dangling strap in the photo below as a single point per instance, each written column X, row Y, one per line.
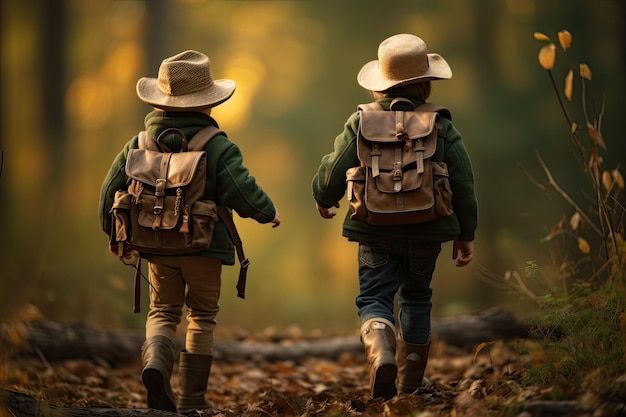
column 244, row 262
column 137, row 292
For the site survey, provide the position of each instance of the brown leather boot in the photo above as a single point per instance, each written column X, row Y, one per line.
column 379, row 340
column 412, row 361
column 193, row 378
column 157, row 354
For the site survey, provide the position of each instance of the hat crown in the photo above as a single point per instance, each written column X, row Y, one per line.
column 185, row 73
column 402, row 57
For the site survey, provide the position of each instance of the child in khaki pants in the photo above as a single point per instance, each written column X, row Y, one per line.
column 183, row 95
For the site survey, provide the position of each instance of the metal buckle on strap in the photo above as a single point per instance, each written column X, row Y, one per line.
column 245, row 263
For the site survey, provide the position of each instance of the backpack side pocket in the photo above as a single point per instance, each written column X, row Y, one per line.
column 355, row 177
column 121, row 228
column 203, row 218
column 442, row 189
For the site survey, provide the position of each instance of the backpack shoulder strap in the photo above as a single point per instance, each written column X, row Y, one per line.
column 442, row 111
column 200, row 139
column 373, row 106
column 144, row 142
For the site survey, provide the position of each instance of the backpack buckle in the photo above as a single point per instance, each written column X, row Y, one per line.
column 159, row 189
column 396, row 175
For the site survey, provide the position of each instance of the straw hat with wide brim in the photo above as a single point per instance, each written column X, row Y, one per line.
column 402, row 59
column 185, row 83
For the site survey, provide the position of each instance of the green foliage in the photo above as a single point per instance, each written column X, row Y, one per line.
column 579, row 337
column 582, row 321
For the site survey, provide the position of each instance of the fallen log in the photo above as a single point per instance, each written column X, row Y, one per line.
column 57, row 341
column 23, row 405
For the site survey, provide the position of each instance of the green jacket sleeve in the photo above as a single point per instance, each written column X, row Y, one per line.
column 462, row 183
column 115, row 180
column 329, row 183
column 236, row 188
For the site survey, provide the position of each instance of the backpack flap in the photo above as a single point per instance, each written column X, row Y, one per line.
column 383, row 129
column 145, row 165
column 164, row 174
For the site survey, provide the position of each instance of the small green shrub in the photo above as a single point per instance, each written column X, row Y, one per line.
column 581, row 325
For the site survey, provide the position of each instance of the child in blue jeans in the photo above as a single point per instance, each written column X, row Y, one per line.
column 400, row 259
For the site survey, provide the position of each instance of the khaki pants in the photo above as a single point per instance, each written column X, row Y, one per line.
column 176, row 281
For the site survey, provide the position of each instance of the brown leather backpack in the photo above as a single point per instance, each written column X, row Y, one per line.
column 163, row 211
column 397, row 182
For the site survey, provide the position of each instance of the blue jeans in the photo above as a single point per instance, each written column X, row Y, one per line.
column 401, row 267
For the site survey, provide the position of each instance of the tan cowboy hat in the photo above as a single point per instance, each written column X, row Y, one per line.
column 402, row 60
column 185, row 83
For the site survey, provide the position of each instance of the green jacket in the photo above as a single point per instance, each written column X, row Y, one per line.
column 329, row 187
column 228, row 180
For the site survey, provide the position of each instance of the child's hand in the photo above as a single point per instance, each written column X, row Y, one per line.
column 465, row 249
column 276, row 221
column 327, row 213
column 130, row 257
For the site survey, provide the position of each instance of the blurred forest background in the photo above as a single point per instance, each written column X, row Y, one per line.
column 68, row 105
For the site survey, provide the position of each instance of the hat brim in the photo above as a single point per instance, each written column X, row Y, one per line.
column 220, row 91
column 371, row 79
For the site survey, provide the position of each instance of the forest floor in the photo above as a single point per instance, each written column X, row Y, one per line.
column 485, row 382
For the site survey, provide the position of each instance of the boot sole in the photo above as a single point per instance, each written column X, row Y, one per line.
column 159, row 397
column 385, row 381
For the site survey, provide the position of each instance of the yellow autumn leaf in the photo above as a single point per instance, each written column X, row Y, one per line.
column 585, row 72
column 583, row 246
column 574, row 221
column 540, row 36
column 595, row 136
column 547, row 56
column 607, row 180
column 569, row 83
column 565, row 39
column 618, row 178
